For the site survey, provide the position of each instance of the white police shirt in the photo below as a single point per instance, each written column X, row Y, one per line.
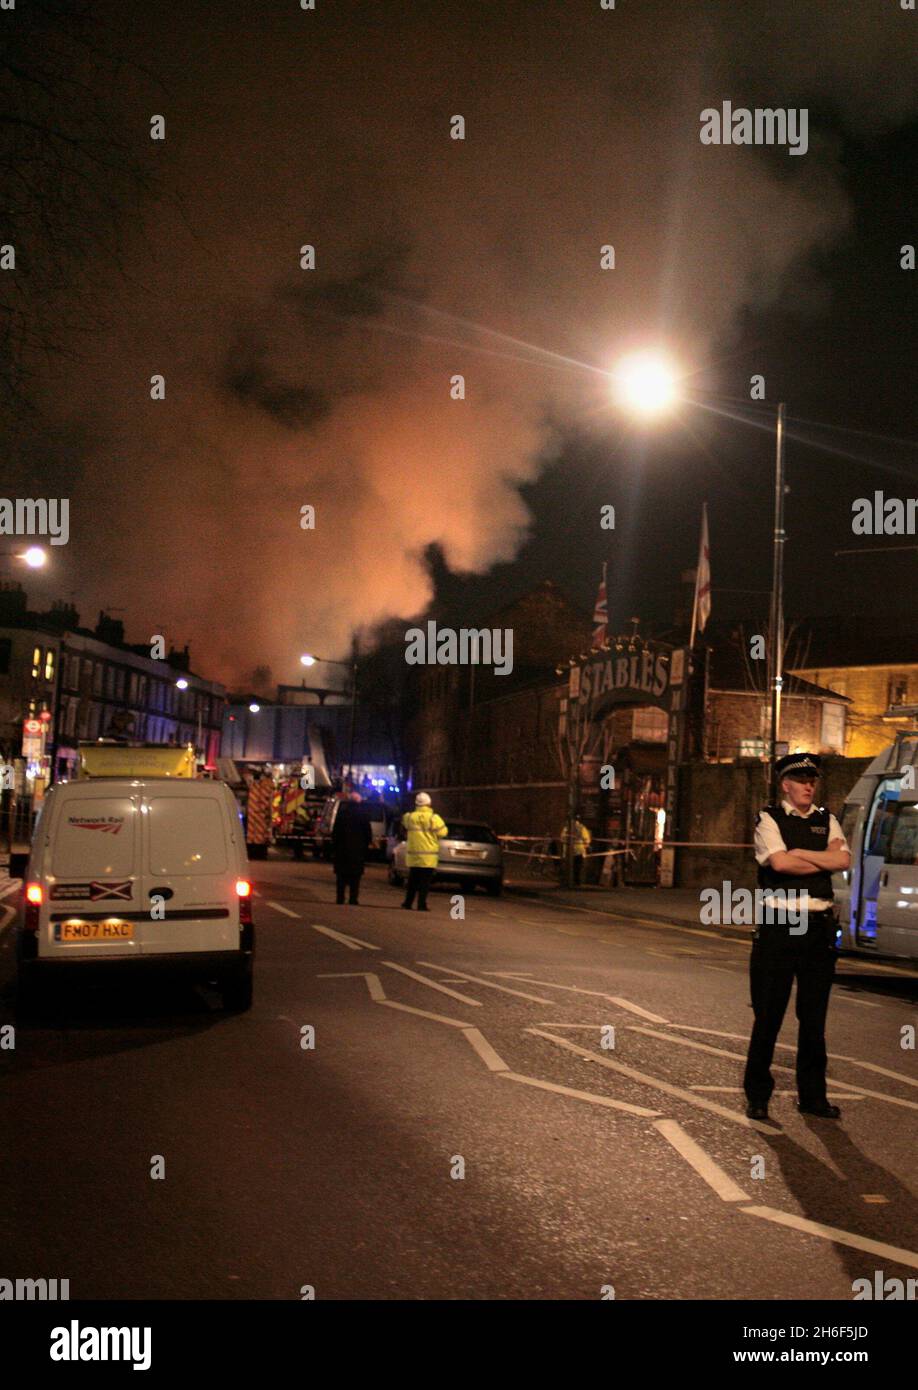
column 769, row 841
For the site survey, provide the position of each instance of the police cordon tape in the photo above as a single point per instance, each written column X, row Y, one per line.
column 604, row 853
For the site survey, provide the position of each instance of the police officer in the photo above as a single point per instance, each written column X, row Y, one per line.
column 798, row 846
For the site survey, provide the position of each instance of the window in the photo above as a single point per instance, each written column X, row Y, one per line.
column 903, row 841
column 87, row 670
column 833, row 727
column 120, row 676
column 98, row 673
column 897, row 690
column 73, row 709
column 36, row 661
column 751, row 748
column 142, row 690
column 49, row 664
column 110, row 682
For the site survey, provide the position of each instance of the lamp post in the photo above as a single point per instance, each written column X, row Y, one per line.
column 646, row 385
column 310, row 659
column 776, row 623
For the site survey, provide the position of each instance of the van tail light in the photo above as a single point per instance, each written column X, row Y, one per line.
column 244, row 894
column 33, row 899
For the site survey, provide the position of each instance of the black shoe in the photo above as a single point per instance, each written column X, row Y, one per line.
column 824, row 1110
column 406, row 906
column 756, row 1112
column 425, row 908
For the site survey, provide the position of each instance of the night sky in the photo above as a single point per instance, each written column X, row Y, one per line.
column 435, row 256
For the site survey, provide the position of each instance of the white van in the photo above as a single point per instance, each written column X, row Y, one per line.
column 878, row 895
column 138, row 873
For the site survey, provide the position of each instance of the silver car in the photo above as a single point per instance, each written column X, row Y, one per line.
column 469, row 854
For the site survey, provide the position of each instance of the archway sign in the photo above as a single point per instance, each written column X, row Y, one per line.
column 633, row 671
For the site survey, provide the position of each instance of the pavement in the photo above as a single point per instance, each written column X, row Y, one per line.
column 680, row 906
column 511, row 1098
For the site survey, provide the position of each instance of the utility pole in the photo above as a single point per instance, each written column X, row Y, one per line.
column 776, row 624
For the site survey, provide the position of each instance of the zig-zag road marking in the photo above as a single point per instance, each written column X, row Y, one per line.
column 491, row 1058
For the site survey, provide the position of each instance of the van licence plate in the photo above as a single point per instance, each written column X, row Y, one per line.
column 94, row 931
column 469, row 853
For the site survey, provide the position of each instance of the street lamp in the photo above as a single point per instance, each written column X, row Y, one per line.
column 35, row 557
column 309, row 659
column 647, row 384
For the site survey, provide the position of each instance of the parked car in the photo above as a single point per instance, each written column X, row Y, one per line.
column 470, row 854
column 322, row 846
column 138, row 875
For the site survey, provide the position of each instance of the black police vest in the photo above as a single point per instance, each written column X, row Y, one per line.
column 800, row 832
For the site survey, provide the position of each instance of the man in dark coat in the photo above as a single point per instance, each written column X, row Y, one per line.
column 351, row 838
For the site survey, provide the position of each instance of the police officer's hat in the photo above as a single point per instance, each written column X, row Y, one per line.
column 798, row 764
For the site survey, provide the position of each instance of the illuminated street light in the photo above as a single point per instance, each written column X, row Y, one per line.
column 35, row 557
column 308, row 660
column 254, row 708
column 646, row 383
column 182, row 683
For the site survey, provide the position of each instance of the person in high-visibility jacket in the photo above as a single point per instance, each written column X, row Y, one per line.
column 582, row 839
column 424, row 830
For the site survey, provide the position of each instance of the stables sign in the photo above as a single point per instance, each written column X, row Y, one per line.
column 649, row 675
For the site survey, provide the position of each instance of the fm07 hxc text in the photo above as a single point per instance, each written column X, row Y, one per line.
column 773, row 1334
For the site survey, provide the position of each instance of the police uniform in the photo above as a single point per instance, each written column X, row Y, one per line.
column 782, row 952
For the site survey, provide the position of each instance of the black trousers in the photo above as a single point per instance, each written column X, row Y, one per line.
column 350, row 881
column 578, row 869
column 418, row 884
column 777, row 960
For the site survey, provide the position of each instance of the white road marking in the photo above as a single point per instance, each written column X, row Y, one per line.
column 578, row 1095
column 597, row 993
column 485, row 1051
column 378, row 995
column 846, row 999
column 279, row 907
column 489, row 984
column 833, row 1056
column 815, row 1228
column 738, row 1091
column 373, row 982
column 508, row 974
column 353, row 943
column 432, row 984
column 726, row 1189
column 656, row 1084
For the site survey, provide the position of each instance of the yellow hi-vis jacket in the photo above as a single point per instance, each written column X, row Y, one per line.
column 582, row 838
column 425, row 830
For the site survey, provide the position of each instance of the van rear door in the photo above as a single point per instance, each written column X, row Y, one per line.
column 190, row 865
column 90, row 868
